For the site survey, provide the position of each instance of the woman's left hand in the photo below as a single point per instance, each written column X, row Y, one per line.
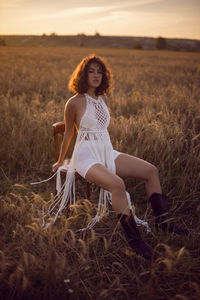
column 56, row 166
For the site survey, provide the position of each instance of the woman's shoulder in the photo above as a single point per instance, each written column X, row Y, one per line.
column 105, row 98
column 75, row 100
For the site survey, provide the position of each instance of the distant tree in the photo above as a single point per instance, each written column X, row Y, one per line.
column 81, row 34
column 160, row 43
column 53, row 34
column 97, row 34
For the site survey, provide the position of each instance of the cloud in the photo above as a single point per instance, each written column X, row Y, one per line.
column 61, row 4
column 67, row 13
column 111, row 10
column 115, row 16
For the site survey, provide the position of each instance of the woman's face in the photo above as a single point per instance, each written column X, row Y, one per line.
column 95, row 75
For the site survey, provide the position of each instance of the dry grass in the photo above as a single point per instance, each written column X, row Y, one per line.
column 155, row 116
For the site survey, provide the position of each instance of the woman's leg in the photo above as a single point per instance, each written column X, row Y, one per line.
column 104, row 178
column 130, row 166
column 101, row 176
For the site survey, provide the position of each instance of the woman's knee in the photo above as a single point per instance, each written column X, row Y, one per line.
column 117, row 185
column 152, row 172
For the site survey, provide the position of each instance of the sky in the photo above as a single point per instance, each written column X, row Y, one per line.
column 152, row 18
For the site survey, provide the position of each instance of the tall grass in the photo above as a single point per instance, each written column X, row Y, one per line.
column 155, row 116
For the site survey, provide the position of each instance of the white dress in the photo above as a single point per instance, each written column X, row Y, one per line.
column 92, row 146
column 93, row 143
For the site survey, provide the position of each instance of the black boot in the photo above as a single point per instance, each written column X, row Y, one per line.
column 161, row 211
column 133, row 236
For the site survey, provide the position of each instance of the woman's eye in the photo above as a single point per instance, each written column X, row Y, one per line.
column 91, row 72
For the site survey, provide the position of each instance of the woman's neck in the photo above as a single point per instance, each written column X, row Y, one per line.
column 91, row 92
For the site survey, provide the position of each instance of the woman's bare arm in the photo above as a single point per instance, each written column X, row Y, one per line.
column 69, row 118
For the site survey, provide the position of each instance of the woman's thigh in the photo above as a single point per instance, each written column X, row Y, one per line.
column 131, row 166
column 104, row 178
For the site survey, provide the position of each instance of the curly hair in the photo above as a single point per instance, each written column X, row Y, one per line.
column 78, row 82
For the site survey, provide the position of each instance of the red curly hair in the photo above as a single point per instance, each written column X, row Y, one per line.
column 78, row 82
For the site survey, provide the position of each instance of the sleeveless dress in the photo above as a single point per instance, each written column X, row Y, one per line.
column 93, row 146
column 93, row 142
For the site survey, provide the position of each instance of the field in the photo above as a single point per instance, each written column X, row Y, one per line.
column 155, row 116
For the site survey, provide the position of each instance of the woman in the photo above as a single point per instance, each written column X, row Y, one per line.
column 94, row 158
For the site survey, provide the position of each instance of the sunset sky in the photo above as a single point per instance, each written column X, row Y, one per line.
column 167, row 18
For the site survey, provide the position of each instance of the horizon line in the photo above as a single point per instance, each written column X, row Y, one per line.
column 100, row 35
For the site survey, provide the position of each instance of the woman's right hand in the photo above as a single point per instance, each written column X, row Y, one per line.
column 56, row 166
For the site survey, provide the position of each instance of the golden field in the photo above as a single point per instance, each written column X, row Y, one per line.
column 155, row 116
